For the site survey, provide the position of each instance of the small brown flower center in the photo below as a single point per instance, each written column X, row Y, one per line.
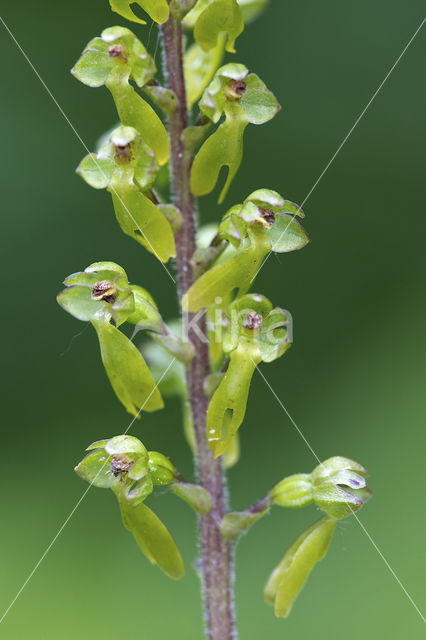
column 253, row 320
column 120, row 466
column 117, row 51
column 105, row 291
column 267, row 217
column 235, row 89
column 123, row 154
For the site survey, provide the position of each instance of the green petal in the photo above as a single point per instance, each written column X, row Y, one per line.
column 288, row 579
column 220, row 16
column 140, row 219
column 153, row 538
column 77, row 300
column 126, row 369
column 286, row 234
column 259, row 104
column 95, row 469
column 158, row 10
column 95, row 64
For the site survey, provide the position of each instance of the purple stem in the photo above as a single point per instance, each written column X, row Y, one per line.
column 216, row 562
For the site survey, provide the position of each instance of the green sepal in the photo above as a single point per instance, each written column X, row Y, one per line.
column 197, row 497
column 221, row 16
column 158, row 10
column 140, row 219
column 289, row 577
column 95, row 469
column 96, row 171
column 235, row 523
column 77, row 301
column 126, row 369
column 293, row 491
column 152, row 537
column 161, row 468
column 233, row 275
column 98, row 444
column 125, row 444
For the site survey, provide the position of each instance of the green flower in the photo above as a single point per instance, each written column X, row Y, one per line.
column 256, row 332
column 102, row 293
column 264, row 222
column 242, row 98
column 114, row 59
column 124, row 465
column 127, row 167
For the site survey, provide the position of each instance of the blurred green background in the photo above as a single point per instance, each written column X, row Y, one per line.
column 354, row 380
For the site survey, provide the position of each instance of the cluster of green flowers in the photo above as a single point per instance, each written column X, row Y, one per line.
column 244, row 329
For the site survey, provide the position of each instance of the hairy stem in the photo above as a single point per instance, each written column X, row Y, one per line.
column 216, row 562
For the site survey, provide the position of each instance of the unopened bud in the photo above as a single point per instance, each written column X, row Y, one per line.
column 339, row 486
column 294, row 491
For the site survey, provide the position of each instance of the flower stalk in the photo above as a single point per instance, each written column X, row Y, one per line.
column 216, row 561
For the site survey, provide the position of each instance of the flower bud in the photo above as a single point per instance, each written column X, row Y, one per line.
column 339, row 486
column 294, row 491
